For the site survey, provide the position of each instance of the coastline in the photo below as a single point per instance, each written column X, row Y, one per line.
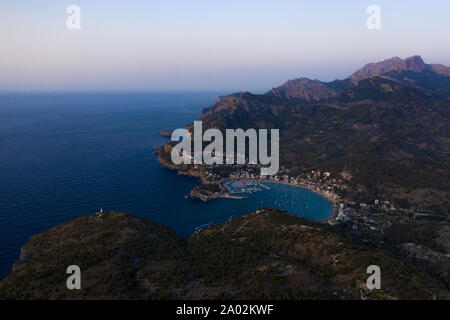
column 333, row 201
column 195, row 174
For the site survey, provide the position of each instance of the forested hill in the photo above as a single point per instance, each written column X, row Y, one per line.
column 267, row 254
column 387, row 127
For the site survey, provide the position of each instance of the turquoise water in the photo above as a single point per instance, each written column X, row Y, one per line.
column 63, row 156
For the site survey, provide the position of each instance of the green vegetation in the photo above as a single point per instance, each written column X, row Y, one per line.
column 209, row 187
column 392, row 139
column 265, row 255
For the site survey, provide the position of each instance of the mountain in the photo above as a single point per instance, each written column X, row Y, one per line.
column 268, row 254
column 390, row 132
column 427, row 80
column 375, row 69
column 413, row 64
column 379, row 89
column 411, row 71
column 303, row 90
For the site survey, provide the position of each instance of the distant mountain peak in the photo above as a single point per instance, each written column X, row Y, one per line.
column 414, row 63
column 303, row 89
column 411, row 71
column 375, row 69
column 415, row 59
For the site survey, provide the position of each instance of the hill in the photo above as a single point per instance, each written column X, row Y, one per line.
column 411, row 71
column 381, row 138
column 261, row 255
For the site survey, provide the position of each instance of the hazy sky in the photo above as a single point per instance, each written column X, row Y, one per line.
column 225, row 45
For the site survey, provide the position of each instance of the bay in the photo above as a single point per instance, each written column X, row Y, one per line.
column 66, row 155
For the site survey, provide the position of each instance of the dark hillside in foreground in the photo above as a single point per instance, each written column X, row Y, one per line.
column 262, row 255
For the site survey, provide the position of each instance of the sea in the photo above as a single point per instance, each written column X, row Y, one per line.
column 67, row 155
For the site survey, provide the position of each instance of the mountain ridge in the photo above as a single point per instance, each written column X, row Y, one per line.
column 390, row 131
column 306, row 90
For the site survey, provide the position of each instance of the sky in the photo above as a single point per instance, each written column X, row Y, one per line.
column 208, row 45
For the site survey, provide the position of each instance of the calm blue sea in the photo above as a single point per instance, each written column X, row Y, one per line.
column 63, row 156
